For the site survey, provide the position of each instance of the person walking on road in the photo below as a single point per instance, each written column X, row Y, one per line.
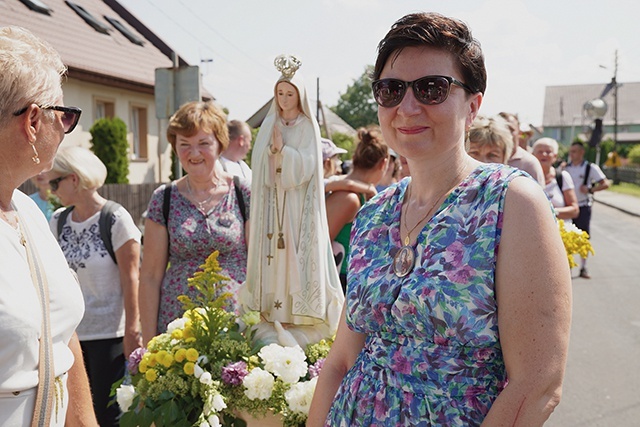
column 588, row 178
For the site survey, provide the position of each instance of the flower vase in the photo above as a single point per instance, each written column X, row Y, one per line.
column 269, row 420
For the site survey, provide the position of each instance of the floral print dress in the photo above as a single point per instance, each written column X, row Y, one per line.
column 432, row 355
column 193, row 236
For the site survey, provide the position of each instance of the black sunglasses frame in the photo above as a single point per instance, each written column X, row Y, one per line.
column 75, row 111
column 404, row 85
column 55, row 183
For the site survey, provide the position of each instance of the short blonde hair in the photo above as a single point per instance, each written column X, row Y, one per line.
column 89, row 169
column 492, row 131
column 195, row 116
column 32, row 72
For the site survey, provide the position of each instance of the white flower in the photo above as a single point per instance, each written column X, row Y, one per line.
column 258, row 384
column 124, row 396
column 214, row 421
column 218, row 403
column 176, row 324
column 197, row 371
column 251, row 318
column 287, row 363
column 205, row 378
column 299, row 396
column 204, row 424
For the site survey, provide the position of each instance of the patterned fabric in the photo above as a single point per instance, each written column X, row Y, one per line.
column 193, row 236
column 432, row 355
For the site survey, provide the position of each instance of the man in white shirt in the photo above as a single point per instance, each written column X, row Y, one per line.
column 232, row 159
column 587, row 179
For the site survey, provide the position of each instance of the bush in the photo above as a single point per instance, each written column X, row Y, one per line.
column 109, row 143
column 634, row 155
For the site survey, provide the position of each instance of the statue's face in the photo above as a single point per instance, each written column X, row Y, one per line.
column 287, row 96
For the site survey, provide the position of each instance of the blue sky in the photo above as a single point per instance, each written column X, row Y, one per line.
column 528, row 44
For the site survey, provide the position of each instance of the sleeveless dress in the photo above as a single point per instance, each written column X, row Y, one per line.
column 432, row 355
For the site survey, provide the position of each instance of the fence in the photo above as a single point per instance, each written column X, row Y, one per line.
column 134, row 197
column 625, row 174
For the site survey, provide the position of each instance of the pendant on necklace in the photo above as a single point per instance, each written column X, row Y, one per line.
column 280, row 241
column 404, row 260
column 225, row 219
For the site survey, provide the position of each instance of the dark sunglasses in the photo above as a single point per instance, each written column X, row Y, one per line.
column 70, row 116
column 55, row 183
column 428, row 90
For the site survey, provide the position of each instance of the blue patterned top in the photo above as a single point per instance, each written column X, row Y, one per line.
column 432, row 355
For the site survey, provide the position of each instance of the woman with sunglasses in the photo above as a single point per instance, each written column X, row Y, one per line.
column 291, row 275
column 110, row 328
column 42, row 374
column 458, row 281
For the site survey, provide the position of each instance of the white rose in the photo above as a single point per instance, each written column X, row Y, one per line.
column 258, row 384
column 299, row 396
column 124, row 396
column 176, row 324
column 287, row 363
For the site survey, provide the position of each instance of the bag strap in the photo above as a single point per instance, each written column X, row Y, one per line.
column 45, row 393
column 166, row 203
column 105, row 223
column 559, row 179
column 62, row 219
column 587, row 170
column 240, row 197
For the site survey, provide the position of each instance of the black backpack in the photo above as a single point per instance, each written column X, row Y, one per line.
column 104, row 223
column 584, row 182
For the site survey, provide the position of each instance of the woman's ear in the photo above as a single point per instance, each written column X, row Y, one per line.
column 474, row 107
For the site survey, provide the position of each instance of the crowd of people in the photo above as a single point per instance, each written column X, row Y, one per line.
column 405, row 258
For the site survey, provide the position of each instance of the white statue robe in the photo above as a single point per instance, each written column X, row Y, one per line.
column 297, row 285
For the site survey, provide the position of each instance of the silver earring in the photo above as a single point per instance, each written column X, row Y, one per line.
column 35, row 157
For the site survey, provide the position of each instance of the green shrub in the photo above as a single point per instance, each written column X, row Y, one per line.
column 109, row 143
column 634, row 155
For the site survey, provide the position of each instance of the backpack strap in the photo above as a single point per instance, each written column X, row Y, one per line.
column 166, row 203
column 559, row 179
column 587, row 170
column 105, row 223
column 62, row 219
column 240, row 197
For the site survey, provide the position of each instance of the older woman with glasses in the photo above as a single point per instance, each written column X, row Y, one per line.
column 458, row 281
column 42, row 374
column 102, row 245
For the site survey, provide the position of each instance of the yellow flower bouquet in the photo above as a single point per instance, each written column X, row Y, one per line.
column 576, row 242
column 206, row 369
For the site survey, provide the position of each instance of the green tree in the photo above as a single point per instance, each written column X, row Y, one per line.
column 345, row 141
column 634, row 155
column 109, row 143
column 357, row 106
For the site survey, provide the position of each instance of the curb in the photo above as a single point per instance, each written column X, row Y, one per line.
column 636, row 214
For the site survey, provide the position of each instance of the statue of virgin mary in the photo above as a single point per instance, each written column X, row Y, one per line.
column 291, row 277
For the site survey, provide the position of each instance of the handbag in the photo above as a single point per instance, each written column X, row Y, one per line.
column 46, row 390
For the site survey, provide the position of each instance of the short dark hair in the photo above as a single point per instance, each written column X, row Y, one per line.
column 235, row 128
column 439, row 32
column 579, row 143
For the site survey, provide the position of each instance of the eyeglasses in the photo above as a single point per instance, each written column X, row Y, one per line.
column 428, row 90
column 55, row 183
column 70, row 116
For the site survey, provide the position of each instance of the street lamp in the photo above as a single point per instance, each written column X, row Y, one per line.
column 595, row 110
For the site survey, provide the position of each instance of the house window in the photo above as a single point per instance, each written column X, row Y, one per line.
column 139, row 130
column 37, row 6
column 88, row 18
column 104, row 109
column 124, row 30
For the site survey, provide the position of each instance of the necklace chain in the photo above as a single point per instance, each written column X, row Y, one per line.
column 193, row 196
column 407, row 239
column 280, row 243
column 17, row 226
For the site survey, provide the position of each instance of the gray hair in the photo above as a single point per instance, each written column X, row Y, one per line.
column 32, row 72
column 547, row 141
column 89, row 169
column 492, row 131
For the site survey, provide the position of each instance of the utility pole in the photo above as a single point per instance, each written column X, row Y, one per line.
column 616, row 180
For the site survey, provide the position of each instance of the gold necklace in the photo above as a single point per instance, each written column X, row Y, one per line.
column 193, row 196
column 280, row 244
column 14, row 223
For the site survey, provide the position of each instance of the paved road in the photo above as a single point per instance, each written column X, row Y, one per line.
column 602, row 385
